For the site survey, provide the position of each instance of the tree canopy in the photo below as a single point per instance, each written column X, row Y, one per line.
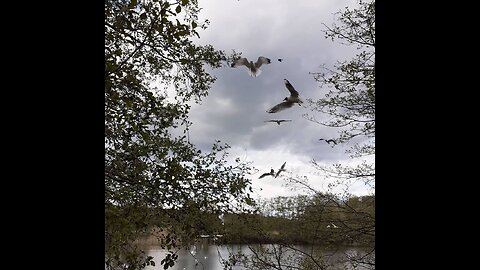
column 154, row 179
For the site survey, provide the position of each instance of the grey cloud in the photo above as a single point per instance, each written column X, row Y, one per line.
column 235, row 109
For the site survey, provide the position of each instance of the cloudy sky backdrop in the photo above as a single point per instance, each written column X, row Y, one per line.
column 235, row 109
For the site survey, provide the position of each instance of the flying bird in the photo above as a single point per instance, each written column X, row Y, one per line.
column 331, row 225
column 328, row 141
column 272, row 173
column 278, row 121
column 282, row 169
column 288, row 101
column 253, row 68
column 280, row 59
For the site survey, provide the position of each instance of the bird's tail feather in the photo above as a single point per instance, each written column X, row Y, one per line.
column 254, row 74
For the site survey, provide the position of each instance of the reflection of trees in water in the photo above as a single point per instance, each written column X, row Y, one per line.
column 284, row 256
column 241, row 257
column 361, row 260
column 327, row 224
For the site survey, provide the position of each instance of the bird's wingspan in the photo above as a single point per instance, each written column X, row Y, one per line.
column 262, row 60
column 290, row 88
column 282, row 169
column 281, row 106
column 277, row 121
column 272, row 173
column 241, row 62
column 263, row 175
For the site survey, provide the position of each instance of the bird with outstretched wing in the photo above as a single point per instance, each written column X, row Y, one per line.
column 253, row 68
column 278, row 121
column 288, row 101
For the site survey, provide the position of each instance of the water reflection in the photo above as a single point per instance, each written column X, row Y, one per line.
column 209, row 257
column 200, row 256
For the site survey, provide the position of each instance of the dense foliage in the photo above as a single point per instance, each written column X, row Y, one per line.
column 154, row 179
column 319, row 220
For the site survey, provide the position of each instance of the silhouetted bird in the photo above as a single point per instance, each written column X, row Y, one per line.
column 278, row 121
column 253, row 69
column 282, row 169
column 280, row 60
column 328, row 141
column 288, row 101
column 271, row 173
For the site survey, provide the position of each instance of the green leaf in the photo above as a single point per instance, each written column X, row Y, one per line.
column 182, row 33
column 194, row 24
column 184, row 2
column 143, row 16
column 178, row 9
column 132, row 4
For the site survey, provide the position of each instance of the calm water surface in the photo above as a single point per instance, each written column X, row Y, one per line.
column 208, row 257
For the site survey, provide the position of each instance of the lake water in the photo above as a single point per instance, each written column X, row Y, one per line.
column 208, row 257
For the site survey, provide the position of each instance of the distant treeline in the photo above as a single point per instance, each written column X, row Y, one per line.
column 317, row 220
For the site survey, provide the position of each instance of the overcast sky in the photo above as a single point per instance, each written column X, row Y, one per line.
column 235, row 109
